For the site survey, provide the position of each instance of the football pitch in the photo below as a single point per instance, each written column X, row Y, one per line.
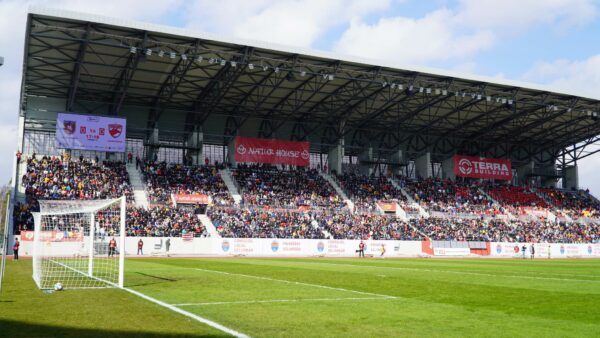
column 317, row 297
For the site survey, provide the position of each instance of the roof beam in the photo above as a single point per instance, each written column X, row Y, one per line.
column 77, row 68
column 170, row 85
column 125, row 77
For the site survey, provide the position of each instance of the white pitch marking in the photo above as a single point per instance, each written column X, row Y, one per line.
column 296, row 283
column 460, row 272
column 189, row 314
column 284, row 301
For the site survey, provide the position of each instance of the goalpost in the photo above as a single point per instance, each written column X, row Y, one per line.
column 72, row 244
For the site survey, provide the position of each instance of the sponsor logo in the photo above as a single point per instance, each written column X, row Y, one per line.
column 498, row 248
column 225, row 246
column 562, row 249
column 590, row 249
column 321, row 246
column 69, row 127
column 516, row 249
column 274, row 246
column 305, row 155
column 115, row 129
column 465, row 166
column 241, row 149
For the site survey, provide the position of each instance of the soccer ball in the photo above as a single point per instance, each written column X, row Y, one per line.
column 58, row 287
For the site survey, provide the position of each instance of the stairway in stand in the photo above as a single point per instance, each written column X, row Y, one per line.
column 210, row 227
column 338, row 189
column 231, row 186
column 139, row 188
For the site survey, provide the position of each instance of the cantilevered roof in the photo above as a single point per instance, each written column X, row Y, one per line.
column 233, row 86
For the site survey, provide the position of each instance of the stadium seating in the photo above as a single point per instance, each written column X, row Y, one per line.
column 57, row 178
column 164, row 179
column 449, row 197
column 262, row 223
column 516, row 196
column 163, row 221
column 299, row 203
column 272, row 187
column 366, row 191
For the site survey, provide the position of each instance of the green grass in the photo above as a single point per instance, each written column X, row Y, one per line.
column 286, row 297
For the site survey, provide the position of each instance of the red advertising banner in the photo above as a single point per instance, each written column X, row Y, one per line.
column 387, row 206
column 190, row 198
column 258, row 150
column 53, row 236
column 479, row 167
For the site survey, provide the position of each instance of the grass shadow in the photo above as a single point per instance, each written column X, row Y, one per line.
column 11, row 328
column 157, row 280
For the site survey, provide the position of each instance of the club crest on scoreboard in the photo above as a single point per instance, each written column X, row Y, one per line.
column 69, row 127
column 115, row 129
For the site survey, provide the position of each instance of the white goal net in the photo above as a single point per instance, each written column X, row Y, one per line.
column 79, row 244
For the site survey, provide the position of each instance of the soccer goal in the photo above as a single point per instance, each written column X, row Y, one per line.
column 79, row 244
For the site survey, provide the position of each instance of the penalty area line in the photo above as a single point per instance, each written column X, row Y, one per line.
column 284, row 301
column 298, row 283
column 189, row 314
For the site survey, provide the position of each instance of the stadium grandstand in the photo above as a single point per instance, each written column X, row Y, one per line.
column 231, row 139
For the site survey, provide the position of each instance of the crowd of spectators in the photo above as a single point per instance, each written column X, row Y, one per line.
column 299, row 203
column 575, row 204
column 265, row 185
column 61, row 178
column 450, row 197
column 164, row 179
column 453, row 229
column 367, row 226
column 163, row 221
column 366, row 191
column 265, row 223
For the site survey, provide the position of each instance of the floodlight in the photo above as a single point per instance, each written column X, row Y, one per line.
column 133, row 50
column 250, row 66
column 148, row 52
column 172, row 55
column 161, row 53
column 183, row 57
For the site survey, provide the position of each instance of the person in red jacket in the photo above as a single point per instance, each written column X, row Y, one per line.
column 112, row 247
column 16, row 249
column 361, row 249
column 140, row 247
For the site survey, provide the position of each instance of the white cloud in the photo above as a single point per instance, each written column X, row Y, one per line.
column 435, row 37
column 517, row 15
column 581, row 76
column 459, row 34
column 290, row 22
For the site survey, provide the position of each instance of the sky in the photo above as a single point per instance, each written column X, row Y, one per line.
column 550, row 42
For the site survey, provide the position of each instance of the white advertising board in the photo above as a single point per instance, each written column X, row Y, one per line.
column 86, row 132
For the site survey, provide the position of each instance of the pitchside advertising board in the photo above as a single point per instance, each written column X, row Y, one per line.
column 480, row 167
column 85, row 132
column 256, row 150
